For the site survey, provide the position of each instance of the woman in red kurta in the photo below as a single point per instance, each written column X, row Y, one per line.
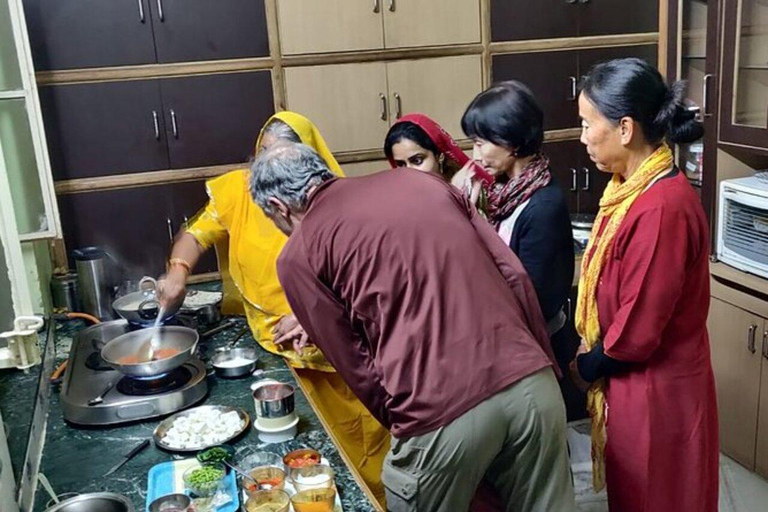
column 643, row 301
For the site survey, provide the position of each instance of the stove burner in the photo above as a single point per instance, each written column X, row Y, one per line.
column 135, row 326
column 155, row 385
column 150, row 377
column 96, row 362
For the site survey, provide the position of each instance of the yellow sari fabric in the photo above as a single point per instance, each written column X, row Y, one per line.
column 248, row 244
column 618, row 198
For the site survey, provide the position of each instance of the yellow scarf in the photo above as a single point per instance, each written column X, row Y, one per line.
column 309, row 135
column 614, row 205
column 248, row 244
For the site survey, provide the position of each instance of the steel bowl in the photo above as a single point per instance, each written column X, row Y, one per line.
column 175, row 502
column 97, row 501
column 142, row 307
column 274, row 400
column 223, row 370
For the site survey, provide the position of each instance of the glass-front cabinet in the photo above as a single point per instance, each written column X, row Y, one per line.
column 744, row 116
column 692, row 67
column 25, row 165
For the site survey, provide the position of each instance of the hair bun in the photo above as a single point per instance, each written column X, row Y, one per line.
column 676, row 119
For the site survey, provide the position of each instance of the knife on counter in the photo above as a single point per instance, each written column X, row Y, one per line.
column 129, row 456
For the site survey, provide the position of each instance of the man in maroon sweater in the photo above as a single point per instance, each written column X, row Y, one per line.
column 432, row 322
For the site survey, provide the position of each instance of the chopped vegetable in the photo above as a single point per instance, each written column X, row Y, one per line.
column 215, row 454
column 205, row 479
column 302, row 458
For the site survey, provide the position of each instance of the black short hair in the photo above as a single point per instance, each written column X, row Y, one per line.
column 407, row 130
column 633, row 88
column 508, row 115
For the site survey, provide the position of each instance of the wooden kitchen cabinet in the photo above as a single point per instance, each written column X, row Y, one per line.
column 607, row 17
column 690, row 60
column 761, row 452
column 459, row 79
column 592, row 183
column 515, row 20
column 588, row 58
column 553, row 79
column 68, row 34
column 564, row 162
column 430, row 22
column 133, row 223
column 316, row 27
column 104, row 128
column 581, row 182
column 736, row 359
column 744, row 96
column 354, row 169
column 193, row 30
column 111, row 128
column 347, row 102
column 377, row 92
column 71, row 34
column 215, row 119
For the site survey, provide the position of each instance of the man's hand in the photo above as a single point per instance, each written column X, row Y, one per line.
column 288, row 330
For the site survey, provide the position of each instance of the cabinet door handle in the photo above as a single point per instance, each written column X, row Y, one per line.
column 383, row 99
column 160, row 13
column 170, row 229
column 584, row 1
column 569, row 308
column 705, row 96
column 157, row 124
column 574, row 179
column 765, row 344
column 586, row 179
column 751, row 338
column 392, row 6
column 141, row 11
column 572, row 80
column 570, row 1
column 174, row 126
column 398, row 106
column 377, row 6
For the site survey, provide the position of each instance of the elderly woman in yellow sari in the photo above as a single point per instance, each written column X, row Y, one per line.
column 248, row 244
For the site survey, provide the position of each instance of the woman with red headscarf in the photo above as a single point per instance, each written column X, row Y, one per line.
column 418, row 142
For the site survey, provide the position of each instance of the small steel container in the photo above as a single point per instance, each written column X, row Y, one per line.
column 274, row 400
column 65, row 293
column 170, row 503
column 220, row 360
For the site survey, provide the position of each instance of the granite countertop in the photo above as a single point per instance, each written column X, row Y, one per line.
column 75, row 458
column 18, row 390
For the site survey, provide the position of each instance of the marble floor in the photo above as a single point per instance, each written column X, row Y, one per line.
column 740, row 489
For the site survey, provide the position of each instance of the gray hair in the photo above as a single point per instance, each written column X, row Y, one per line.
column 280, row 130
column 287, row 172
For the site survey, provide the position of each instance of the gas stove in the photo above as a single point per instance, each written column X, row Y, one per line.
column 128, row 399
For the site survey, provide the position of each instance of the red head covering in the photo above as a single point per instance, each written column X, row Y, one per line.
column 444, row 143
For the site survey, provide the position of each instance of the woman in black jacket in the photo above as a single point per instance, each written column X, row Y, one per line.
column 524, row 204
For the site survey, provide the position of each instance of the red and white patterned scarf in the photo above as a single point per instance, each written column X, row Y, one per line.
column 505, row 197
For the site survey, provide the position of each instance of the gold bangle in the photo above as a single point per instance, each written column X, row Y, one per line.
column 180, row 262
